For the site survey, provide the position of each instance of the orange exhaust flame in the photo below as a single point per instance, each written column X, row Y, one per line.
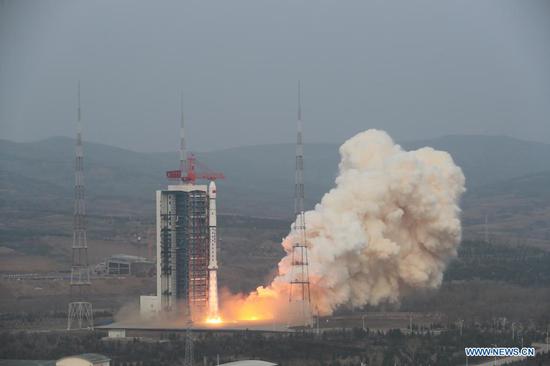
column 216, row 320
column 265, row 305
column 268, row 304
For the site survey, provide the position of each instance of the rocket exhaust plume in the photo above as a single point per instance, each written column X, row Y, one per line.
column 389, row 226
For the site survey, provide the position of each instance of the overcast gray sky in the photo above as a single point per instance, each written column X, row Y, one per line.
column 417, row 69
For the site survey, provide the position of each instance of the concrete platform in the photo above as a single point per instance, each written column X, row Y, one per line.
column 151, row 327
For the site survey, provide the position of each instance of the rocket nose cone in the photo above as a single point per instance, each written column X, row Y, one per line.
column 212, row 189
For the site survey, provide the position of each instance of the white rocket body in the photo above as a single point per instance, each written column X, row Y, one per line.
column 213, row 259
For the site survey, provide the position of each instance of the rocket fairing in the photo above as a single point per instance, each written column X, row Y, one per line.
column 213, row 261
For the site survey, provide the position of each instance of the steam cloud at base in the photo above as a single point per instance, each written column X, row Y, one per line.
column 388, row 227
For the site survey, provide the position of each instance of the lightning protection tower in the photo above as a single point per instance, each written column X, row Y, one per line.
column 188, row 355
column 299, row 283
column 80, row 314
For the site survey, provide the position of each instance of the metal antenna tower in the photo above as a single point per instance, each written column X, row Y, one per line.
column 299, row 282
column 183, row 146
column 80, row 315
column 486, row 230
column 188, row 356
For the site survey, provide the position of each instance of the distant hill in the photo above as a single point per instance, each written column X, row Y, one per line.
column 491, row 159
column 534, row 185
column 259, row 179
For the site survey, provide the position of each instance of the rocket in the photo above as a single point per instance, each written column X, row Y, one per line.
column 213, row 260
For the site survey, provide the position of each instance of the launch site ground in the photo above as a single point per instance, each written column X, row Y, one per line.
column 486, row 279
column 148, row 328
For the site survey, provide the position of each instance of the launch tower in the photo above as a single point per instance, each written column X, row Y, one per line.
column 186, row 240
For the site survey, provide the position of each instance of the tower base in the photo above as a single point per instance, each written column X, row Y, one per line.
column 300, row 314
column 80, row 316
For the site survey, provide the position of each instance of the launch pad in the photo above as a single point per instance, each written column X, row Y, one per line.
column 155, row 330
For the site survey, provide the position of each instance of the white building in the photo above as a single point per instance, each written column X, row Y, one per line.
column 86, row 359
column 249, row 363
column 149, row 307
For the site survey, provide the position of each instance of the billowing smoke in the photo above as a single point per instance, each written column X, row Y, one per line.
column 389, row 226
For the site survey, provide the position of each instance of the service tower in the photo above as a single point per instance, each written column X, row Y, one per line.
column 186, row 240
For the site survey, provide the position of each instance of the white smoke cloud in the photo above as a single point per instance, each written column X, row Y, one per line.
column 390, row 225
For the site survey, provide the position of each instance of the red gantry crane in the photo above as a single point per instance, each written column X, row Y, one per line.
column 192, row 170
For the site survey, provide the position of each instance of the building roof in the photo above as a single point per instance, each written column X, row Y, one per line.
column 127, row 258
column 91, row 357
column 249, row 363
column 187, row 187
column 27, row 363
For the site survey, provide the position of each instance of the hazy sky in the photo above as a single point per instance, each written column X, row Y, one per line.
column 417, row 69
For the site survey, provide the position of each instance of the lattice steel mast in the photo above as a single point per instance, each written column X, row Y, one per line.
column 189, row 357
column 299, row 285
column 80, row 315
column 183, row 145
